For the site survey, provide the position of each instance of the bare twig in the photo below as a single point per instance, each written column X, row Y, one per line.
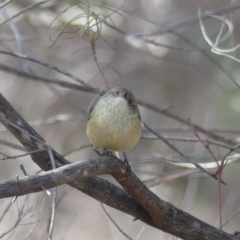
column 189, row 22
column 22, row 155
column 141, row 231
column 36, row 77
column 200, row 129
column 57, row 69
column 53, row 215
column 115, row 224
column 183, row 38
column 21, row 214
column 23, row 170
column 190, row 139
column 36, row 222
column 169, row 177
column 77, row 149
column 60, row 118
column 110, row 14
column 158, row 135
column 232, row 215
column 5, row 211
column 12, row 145
column 218, row 172
column 22, row 11
column 177, row 151
column 2, row 5
column 18, row 38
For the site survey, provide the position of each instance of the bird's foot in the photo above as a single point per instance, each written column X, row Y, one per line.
column 104, row 153
column 96, row 151
column 107, row 153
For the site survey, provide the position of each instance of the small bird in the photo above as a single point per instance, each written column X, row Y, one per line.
column 114, row 123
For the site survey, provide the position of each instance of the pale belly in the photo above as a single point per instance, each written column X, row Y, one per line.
column 114, row 136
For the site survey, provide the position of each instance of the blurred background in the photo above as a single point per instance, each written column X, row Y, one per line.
column 191, row 69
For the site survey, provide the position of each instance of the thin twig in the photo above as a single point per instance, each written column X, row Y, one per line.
column 18, row 38
column 109, row 15
column 190, row 139
column 189, row 22
column 199, row 128
column 61, row 118
column 6, row 3
column 115, row 224
column 218, row 173
column 231, row 216
column 77, row 149
column 183, row 38
column 36, row 222
column 52, row 221
column 22, row 155
column 23, row 170
column 5, row 211
column 12, row 145
column 177, row 151
column 40, row 78
column 158, row 135
column 57, row 69
column 23, row 11
column 21, row 214
column 141, row 232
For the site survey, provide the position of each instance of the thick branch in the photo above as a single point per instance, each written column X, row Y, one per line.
column 166, row 217
column 57, row 177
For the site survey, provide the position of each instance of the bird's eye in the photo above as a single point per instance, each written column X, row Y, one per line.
column 115, row 93
column 130, row 102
